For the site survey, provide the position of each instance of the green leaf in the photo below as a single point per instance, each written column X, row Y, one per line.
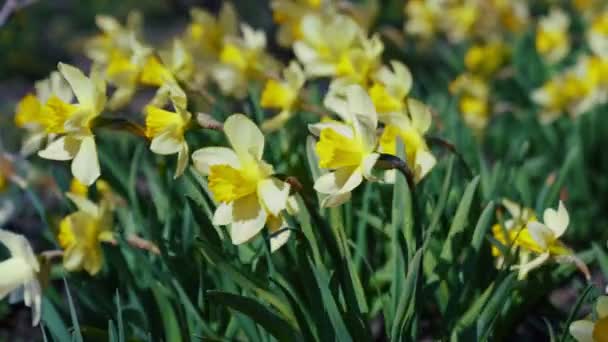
column 407, row 298
column 167, row 313
column 278, row 327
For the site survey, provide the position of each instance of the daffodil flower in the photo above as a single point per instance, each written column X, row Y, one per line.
column 282, row 95
column 389, row 89
column 73, row 123
column 327, row 45
column 474, row 100
column 242, row 59
column 20, row 272
column 167, row 129
column 485, row 59
column 288, row 15
column 588, row 330
column 81, row 234
column 537, row 241
column 410, row 127
column 29, row 110
column 346, row 149
column 423, row 18
column 205, row 34
column 552, row 40
column 248, row 195
column 597, row 36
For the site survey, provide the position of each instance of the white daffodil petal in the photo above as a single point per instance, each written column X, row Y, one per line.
column 425, row 161
column 166, row 143
column 340, row 181
column 558, row 220
column 83, row 88
column 338, row 127
column 19, row 247
column 602, row 307
column 206, row 157
column 182, row 160
column 73, row 259
column 244, row 136
column 278, row 240
column 85, row 166
column 540, row 233
column 368, row 165
column 64, row 148
column 420, row 114
column 335, row 200
column 223, row 214
column 248, row 217
column 513, row 208
column 84, row 204
column 582, row 330
column 15, row 272
column 273, row 194
column 361, row 106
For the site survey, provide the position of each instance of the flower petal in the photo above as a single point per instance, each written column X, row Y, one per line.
column 244, row 136
column 166, row 143
column 248, row 217
column 420, row 114
column 582, row 330
column 84, row 204
column 335, row 200
column 275, row 225
column 273, row 194
column 558, row 220
column 85, row 166
column 540, row 233
column 182, row 160
column 602, row 307
column 340, row 181
column 83, row 87
column 206, row 157
column 64, row 148
column 15, row 272
column 223, row 214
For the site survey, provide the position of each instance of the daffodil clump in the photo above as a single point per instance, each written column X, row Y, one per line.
column 582, row 86
column 332, row 177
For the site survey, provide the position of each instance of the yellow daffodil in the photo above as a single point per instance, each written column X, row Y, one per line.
column 389, row 89
column 29, row 110
column 166, row 129
column 410, row 127
column 346, row 149
column 20, row 272
column 460, row 20
column 73, row 123
column 597, row 36
column 81, row 234
column 282, row 95
column 242, row 59
column 248, row 195
column 474, row 100
column 288, row 15
column 533, row 238
column 512, row 14
column 552, row 39
column 337, row 47
column 589, row 330
column 423, row 17
column 205, row 34
column 575, row 91
column 485, row 59
column 113, row 37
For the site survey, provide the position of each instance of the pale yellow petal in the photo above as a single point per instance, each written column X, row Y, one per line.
column 64, row 148
column 166, row 143
column 540, row 233
column 558, row 220
column 15, row 272
column 244, row 136
column 602, row 306
column 83, row 88
column 248, row 219
column 273, row 194
column 182, row 160
column 206, row 157
column 85, row 166
column 223, row 214
column 582, row 330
